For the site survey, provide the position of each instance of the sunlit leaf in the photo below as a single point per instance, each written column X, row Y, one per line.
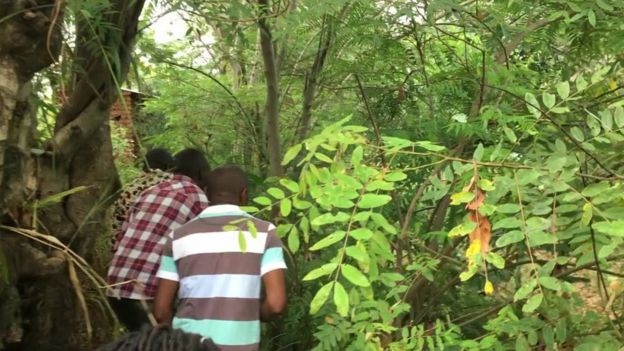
column 341, row 299
column 285, row 207
column 563, row 89
column 354, row 275
column 329, row 240
column 533, row 303
column 322, row 271
column 373, row 200
column 320, row 298
column 291, row 154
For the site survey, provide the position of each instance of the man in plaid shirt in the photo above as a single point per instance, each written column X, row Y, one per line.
column 157, row 211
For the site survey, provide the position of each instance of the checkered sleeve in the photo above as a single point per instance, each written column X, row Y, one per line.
column 194, row 203
column 273, row 256
column 168, row 269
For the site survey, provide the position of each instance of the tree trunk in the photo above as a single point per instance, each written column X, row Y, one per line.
column 80, row 154
column 272, row 99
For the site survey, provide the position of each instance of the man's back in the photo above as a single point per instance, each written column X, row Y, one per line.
column 219, row 261
column 158, row 210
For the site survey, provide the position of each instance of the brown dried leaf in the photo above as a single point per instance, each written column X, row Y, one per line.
column 477, row 201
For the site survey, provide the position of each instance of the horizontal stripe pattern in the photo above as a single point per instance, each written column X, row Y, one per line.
column 217, row 242
column 220, row 263
column 220, row 281
column 220, row 308
column 220, row 285
column 222, row 332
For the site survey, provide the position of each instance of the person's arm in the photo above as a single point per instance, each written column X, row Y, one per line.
column 167, row 285
column 272, row 270
column 275, row 302
column 163, row 303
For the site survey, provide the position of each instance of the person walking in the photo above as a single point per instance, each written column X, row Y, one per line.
column 217, row 264
column 164, row 207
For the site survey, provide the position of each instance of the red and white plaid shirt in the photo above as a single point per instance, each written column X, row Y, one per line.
column 157, row 211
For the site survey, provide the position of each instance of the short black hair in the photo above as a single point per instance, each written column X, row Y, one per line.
column 193, row 164
column 158, row 158
column 227, row 180
column 160, row 338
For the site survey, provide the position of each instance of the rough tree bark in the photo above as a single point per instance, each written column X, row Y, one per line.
column 79, row 154
column 272, row 83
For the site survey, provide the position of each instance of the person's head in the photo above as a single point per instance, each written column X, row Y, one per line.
column 158, row 159
column 193, row 164
column 160, row 338
column 228, row 185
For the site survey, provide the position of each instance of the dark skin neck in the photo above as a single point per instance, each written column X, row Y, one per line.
column 225, row 198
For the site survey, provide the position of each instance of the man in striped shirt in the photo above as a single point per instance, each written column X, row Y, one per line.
column 217, row 264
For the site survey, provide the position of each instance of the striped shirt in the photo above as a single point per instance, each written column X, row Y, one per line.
column 219, row 260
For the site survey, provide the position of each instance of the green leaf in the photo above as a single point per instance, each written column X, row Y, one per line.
column 595, row 189
column 285, row 207
column 606, row 119
column 462, row 197
column 357, row 155
column 395, row 176
column 549, row 337
column 551, row 283
column 613, row 228
column 606, row 251
column 507, row 223
column 508, row 208
column 322, row 271
column 429, row 146
column 291, row 185
column 353, row 275
column 396, row 143
column 563, row 89
column 242, row 242
column 293, row 240
column 341, row 299
column 577, row 133
column 603, row 5
column 478, row 153
column 283, row 229
column 322, row 157
column 357, row 253
column 533, row 303
column 581, row 83
column 587, row 214
column 464, row 276
column 291, row 154
column 510, row 238
column 320, row 298
column 591, row 17
column 486, row 185
column 538, row 238
column 525, row 290
column 510, row 134
column 328, row 218
column 496, row 260
column 329, row 240
column 548, row 99
column 522, row 344
column 251, row 228
column 57, row 198
column 373, row 200
column 379, row 185
column 276, row 193
column 462, row 229
column 361, row 234
column 618, row 117
column 301, row 204
column 532, row 104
